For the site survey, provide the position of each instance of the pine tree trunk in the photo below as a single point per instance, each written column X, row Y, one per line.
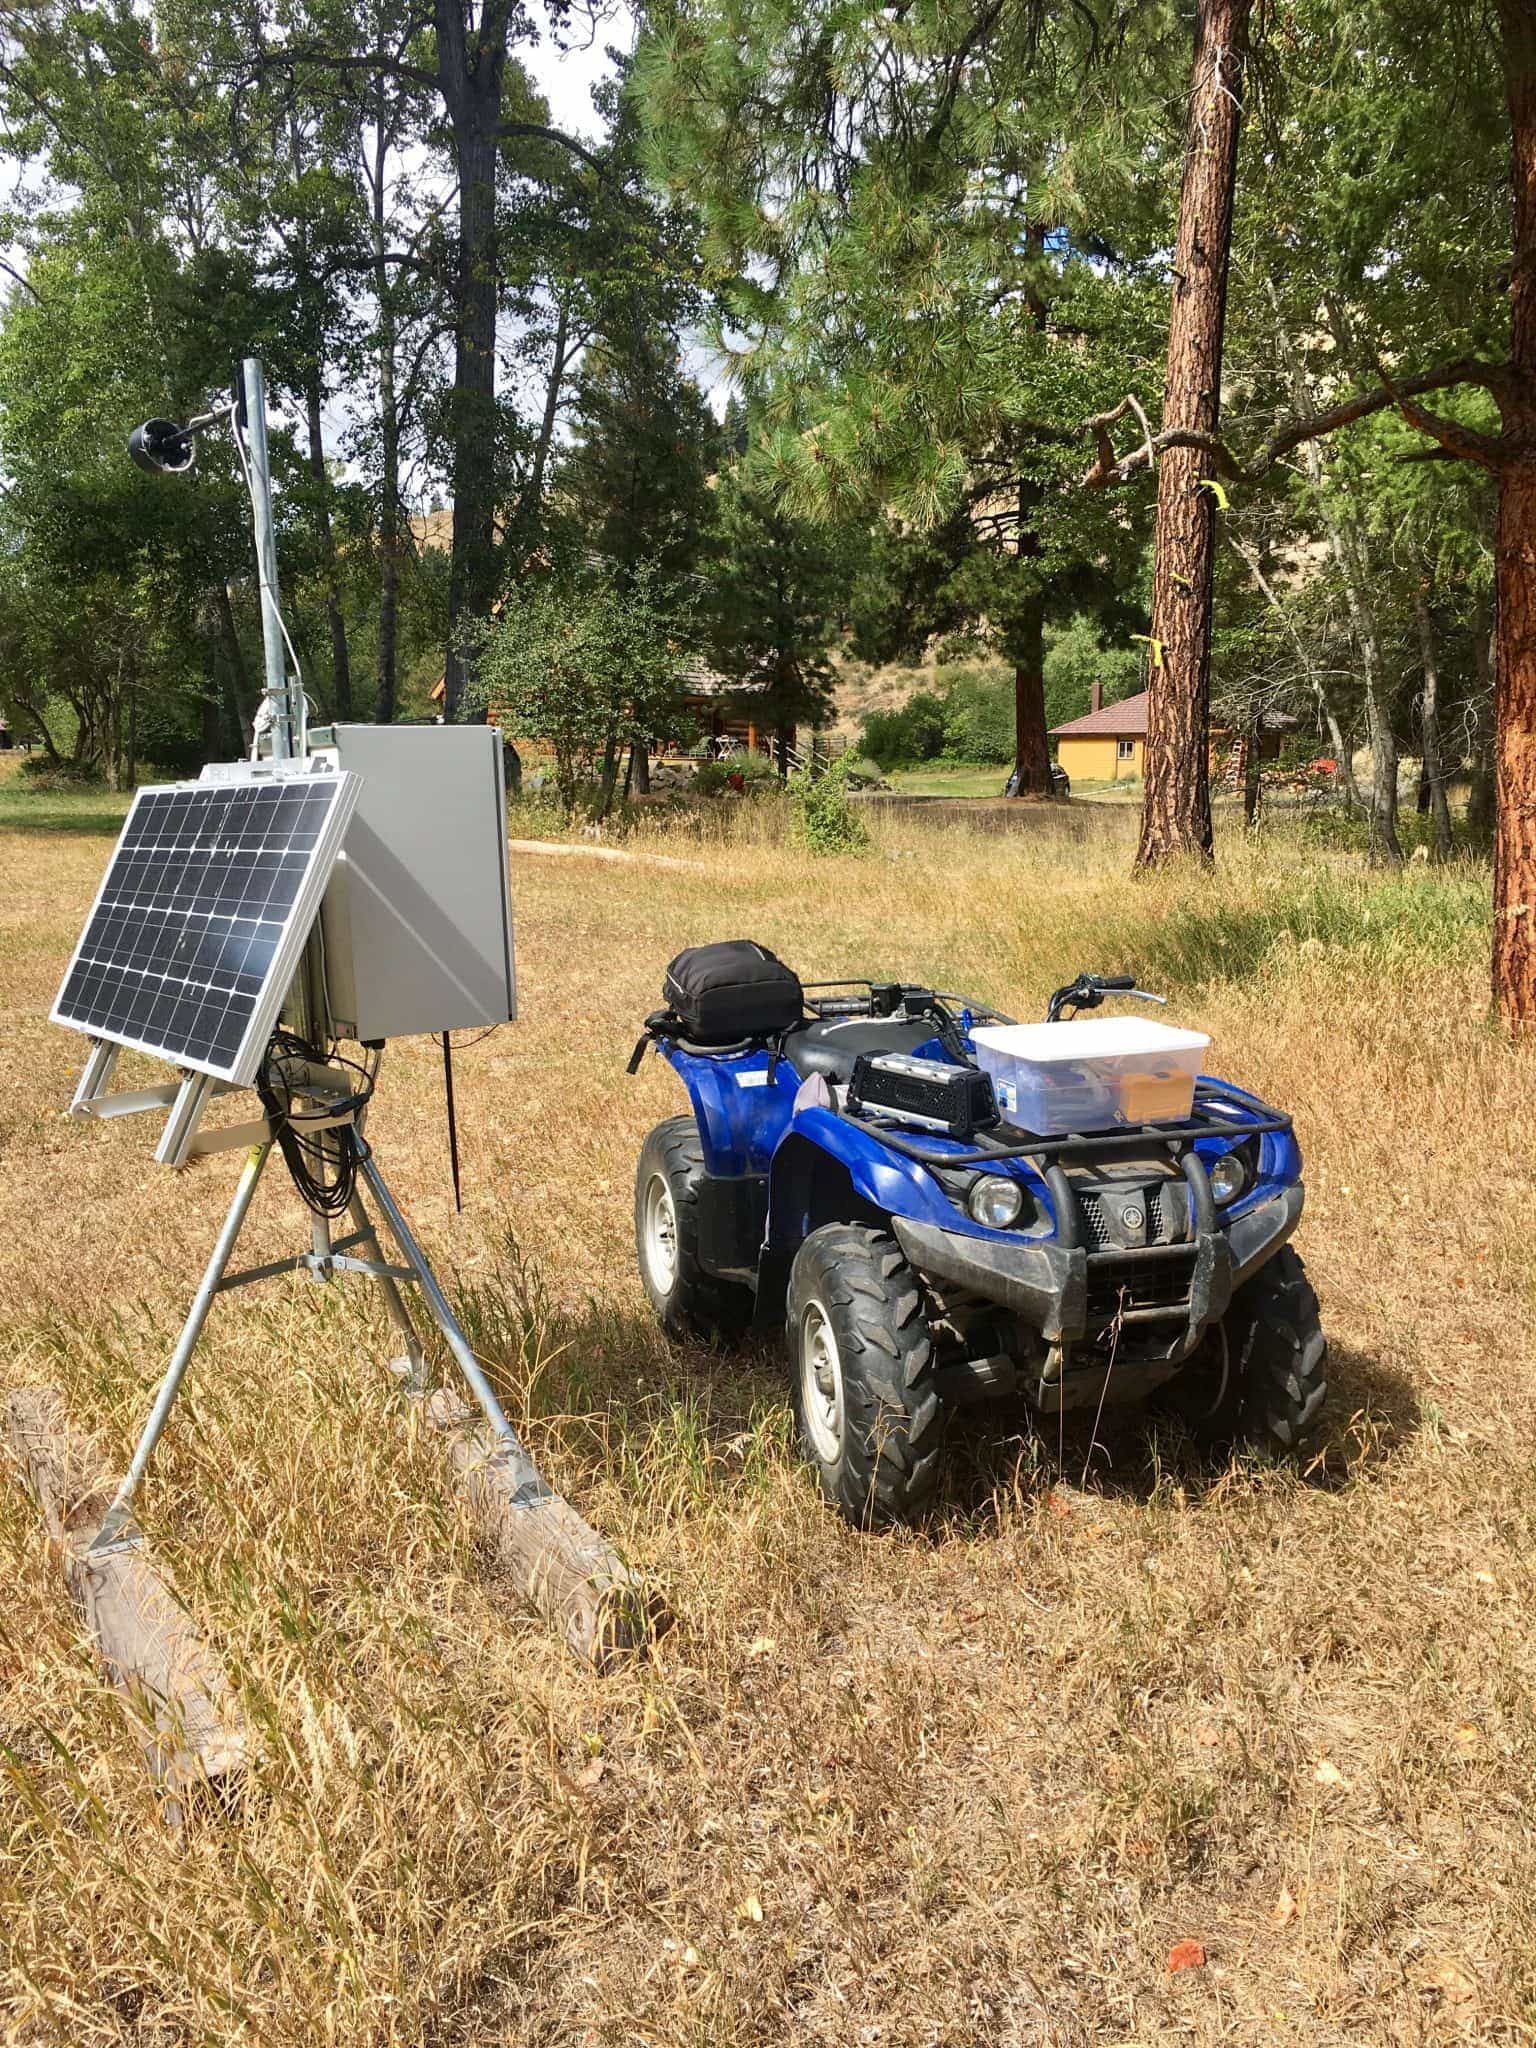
column 1031, row 746
column 533, row 495
column 1176, row 802
column 1253, row 774
column 211, row 696
column 1385, row 847
column 610, row 776
column 239, row 675
column 1514, row 846
column 471, row 67
column 472, row 403
column 1514, row 843
column 1434, row 758
column 341, row 666
column 389, row 511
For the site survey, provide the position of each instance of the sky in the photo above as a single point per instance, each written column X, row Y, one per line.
column 566, row 78
column 566, row 81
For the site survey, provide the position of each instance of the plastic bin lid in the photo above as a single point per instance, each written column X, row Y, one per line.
column 1086, row 1038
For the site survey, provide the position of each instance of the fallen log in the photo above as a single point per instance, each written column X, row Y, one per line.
column 560, row 1564
column 175, row 1692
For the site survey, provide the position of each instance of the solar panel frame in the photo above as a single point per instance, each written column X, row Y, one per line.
column 199, row 924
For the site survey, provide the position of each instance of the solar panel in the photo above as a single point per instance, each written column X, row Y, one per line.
column 199, row 924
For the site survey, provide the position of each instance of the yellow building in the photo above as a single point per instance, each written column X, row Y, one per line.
column 1106, row 744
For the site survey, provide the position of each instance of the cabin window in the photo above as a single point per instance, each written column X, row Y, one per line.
column 1125, row 750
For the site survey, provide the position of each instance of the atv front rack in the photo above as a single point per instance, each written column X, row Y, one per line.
column 1220, row 1119
column 1180, row 1136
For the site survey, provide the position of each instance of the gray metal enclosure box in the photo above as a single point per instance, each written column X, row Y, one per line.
column 417, row 919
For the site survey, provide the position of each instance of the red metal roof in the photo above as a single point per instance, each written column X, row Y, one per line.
column 1125, row 720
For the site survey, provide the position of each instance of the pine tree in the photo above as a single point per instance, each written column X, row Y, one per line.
column 773, row 593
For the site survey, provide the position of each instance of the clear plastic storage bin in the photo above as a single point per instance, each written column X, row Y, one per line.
column 1091, row 1073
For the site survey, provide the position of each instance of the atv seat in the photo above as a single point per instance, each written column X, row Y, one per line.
column 830, row 1045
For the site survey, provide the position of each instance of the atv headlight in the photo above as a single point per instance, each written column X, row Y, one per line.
column 995, row 1201
column 1229, row 1176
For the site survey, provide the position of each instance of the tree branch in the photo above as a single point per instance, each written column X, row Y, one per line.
column 1463, row 442
column 25, row 282
column 387, row 67
column 507, row 129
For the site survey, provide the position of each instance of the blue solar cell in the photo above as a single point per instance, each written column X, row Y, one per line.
column 194, row 935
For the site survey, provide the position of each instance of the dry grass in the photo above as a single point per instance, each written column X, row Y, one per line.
column 962, row 1786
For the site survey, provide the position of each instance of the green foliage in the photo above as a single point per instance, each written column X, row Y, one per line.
column 1077, row 656
column 592, row 663
column 969, row 720
column 978, row 718
column 822, row 817
column 635, row 479
column 913, row 732
column 771, row 593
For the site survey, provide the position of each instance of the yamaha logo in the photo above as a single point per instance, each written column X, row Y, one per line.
column 1132, row 1218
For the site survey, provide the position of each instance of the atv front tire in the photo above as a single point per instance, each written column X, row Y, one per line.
column 689, row 1302
column 1275, row 1381
column 863, row 1364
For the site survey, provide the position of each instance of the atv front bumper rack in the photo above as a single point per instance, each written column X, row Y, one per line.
column 1068, row 1291
column 1069, row 1294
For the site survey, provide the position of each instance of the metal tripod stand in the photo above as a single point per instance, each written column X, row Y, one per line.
column 326, row 1257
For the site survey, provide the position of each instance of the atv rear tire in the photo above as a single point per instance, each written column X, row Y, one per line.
column 1276, row 1377
column 689, row 1302
column 863, row 1364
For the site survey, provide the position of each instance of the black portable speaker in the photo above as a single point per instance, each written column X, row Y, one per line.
column 932, row 1093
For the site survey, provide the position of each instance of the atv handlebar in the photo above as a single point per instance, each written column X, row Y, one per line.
column 1089, row 990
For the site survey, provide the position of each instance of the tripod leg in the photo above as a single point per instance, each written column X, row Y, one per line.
column 564, row 1567
column 119, row 1514
column 525, row 1473
column 394, row 1300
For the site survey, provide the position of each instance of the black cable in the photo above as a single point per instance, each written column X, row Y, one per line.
column 453, row 1121
column 463, row 1044
column 325, row 1173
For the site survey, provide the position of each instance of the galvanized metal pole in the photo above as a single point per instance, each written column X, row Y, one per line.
column 288, row 737
column 120, row 1514
column 526, row 1479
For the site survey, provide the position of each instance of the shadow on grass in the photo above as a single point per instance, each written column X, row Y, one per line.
column 687, row 1427
column 1008, row 1453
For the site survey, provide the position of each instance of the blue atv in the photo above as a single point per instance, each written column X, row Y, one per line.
column 846, row 1172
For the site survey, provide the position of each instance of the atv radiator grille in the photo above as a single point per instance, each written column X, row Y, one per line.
column 1138, row 1290
column 1116, row 1217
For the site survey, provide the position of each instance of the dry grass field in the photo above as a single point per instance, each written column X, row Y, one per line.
column 967, row 1785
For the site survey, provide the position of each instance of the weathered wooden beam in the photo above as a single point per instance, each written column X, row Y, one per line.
column 561, row 1565
column 174, row 1690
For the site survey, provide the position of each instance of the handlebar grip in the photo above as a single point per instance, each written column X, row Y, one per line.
column 1108, row 981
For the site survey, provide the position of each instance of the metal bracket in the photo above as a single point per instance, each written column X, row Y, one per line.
column 94, row 1076
column 192, row 1098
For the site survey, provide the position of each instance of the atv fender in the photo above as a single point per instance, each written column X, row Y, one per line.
column 740, row 1105
column 822, row 1154
column 828, row 1171
column 1258, row 1235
